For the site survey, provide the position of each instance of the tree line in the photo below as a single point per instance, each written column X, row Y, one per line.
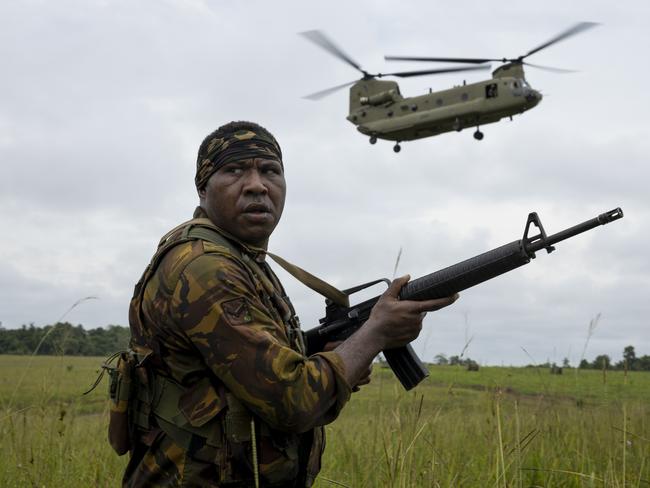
column 630, row 362
column 63, row 338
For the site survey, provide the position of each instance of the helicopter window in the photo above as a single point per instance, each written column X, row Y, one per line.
column 491, row 90
column 390, row 113
column 439, row 102
column 414, row 107
column 516, row 88
column 464, row 97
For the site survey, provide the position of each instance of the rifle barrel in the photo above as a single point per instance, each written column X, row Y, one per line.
column 602, row 219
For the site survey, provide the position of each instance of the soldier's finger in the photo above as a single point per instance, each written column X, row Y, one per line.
column 396, row 285
column 436, row 303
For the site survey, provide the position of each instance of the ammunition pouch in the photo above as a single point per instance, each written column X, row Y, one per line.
column 120, row 426
column 190, row 416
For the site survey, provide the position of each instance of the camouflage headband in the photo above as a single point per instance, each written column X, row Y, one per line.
column 243, row 144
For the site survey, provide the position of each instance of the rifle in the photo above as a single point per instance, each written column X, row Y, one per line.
column 341, row 322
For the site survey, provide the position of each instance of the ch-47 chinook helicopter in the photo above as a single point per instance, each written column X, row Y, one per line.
column 379, row 110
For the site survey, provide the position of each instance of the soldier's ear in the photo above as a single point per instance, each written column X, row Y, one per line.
column 201, row 192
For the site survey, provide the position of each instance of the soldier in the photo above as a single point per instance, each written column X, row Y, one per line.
column 227, row 394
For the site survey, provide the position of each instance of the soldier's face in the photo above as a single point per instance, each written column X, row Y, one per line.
column 246, row 199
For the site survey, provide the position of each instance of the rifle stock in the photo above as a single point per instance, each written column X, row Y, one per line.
column 340, row 323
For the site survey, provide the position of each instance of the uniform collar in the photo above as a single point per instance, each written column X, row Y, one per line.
column 256, row 253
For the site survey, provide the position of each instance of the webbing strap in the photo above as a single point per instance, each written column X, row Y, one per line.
column 206, row 230
column 313, row 282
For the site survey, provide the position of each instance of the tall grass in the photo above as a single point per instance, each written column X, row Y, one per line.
column 499, row 427
column 491, row 434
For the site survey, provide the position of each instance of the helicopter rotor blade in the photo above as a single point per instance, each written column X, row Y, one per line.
column 572, row 31
column 407, row 74
column 550, row 68
column 441, row 60
column 328, row 91
column 321, row 40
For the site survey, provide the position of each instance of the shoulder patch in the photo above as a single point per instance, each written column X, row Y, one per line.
column 237, row 311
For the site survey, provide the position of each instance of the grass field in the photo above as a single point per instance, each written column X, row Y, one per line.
column 498, row 427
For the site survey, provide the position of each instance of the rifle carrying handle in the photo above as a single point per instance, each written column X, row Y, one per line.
column 406, row 365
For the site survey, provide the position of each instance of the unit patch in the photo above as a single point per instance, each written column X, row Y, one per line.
column 237, row 311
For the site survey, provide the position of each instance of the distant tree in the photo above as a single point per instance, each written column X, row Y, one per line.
column 584, row 364
column 441, row 359
column 602, row 361
column 643, row 363
column 454, row 360
column 629, row 357
column 566, row 363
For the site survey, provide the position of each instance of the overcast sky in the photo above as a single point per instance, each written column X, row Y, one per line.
column 103, row 105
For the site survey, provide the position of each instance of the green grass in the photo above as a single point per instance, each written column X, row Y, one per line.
column 499, row 427
column 490, row 428
column 43, row 381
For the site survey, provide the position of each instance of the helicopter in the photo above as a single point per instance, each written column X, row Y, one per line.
column 379, row 110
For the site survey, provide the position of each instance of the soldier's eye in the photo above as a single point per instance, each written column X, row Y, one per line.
column 272, row 169
column 233, row 170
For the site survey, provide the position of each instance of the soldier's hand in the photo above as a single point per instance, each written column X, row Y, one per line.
column 395, row 322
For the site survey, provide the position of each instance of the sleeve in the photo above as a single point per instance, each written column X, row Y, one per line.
column 221, row 312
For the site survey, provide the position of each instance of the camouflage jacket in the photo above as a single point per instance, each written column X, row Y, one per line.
column 227, row 381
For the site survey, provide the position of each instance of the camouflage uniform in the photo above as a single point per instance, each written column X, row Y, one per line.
column 225, row 380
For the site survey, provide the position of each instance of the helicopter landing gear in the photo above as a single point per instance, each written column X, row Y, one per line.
column 373, row 139
column 397, row 148
column 457, row 126
column 478, row 135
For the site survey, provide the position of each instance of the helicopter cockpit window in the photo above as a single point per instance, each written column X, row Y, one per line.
column 491, row 90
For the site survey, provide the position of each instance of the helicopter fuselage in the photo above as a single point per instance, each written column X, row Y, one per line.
column 378, row 109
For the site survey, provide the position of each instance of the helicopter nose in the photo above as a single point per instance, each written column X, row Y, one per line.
column 533, row 96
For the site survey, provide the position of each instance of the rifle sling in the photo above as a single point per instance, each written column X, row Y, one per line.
column 204, row 229
column 313, row 282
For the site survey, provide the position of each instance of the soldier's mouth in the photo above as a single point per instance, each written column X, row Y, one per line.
column 257, row 208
